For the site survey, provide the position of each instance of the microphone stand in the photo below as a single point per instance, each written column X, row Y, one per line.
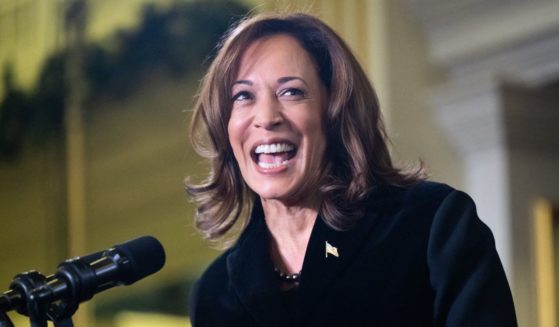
column 40, row 313
column 60, row 313
column 5, row 320
column 39, row 306
column 37, row 311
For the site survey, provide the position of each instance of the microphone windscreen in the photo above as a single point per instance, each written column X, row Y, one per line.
column 146, row 256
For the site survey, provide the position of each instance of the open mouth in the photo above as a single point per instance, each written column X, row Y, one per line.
column 273, row 155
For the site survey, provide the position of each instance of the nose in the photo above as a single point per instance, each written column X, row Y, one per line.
column 268, row 114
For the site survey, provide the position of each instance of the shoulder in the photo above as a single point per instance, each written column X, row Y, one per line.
column 424, row 196
column 426, row 192
column 216, row 298
column 215, row 278
column 211, row 281
column 209, row 286
column 443, row 207
column 436, row 209
column 425, row 209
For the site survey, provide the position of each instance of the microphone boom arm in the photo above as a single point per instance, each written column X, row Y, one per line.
column 76, row 280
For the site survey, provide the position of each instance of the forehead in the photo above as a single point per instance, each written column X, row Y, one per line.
column 281, row 52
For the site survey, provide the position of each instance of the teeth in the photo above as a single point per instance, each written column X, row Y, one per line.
column 270, row 165
column 273, row 148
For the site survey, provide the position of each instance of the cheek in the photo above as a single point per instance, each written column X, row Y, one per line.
column 233, row 136
column 317, row 141
column 314, row 129
column 235, row 132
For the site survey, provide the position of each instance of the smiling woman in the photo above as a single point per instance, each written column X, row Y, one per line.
column 332, row 233
column 275, row 128
column 348, row 115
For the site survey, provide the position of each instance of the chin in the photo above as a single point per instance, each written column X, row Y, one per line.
column 272, row 191
column 288, row 195
column 274, row 194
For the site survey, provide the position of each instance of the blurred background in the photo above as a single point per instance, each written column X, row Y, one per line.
column 95, row 99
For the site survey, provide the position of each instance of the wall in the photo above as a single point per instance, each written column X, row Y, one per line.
column 137, row 152
column 415, row 131
column 532, row 119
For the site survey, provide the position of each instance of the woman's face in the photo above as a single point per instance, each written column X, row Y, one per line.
column 276, row 125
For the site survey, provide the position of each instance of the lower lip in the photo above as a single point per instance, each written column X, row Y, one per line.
column 279, row 169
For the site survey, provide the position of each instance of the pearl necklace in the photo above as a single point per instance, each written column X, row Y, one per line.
column 289, row 278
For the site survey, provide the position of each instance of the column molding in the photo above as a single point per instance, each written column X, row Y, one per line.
column 470, row 36
column 485, row 46
column 471, row 115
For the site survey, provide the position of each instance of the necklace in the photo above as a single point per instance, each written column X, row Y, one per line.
column 289, row 278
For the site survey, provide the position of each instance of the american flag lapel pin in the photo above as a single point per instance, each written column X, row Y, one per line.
column 330, row 249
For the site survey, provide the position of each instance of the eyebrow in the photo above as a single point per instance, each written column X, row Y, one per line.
column 280, row 80
column 286, row 79
column 243, row 81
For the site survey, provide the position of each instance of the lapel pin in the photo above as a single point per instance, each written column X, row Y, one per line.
column 331, row 250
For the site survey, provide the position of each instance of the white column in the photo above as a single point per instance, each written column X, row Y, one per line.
column 472, row 115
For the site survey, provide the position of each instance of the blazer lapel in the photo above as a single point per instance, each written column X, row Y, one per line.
column 254, row 280
column 321, row 267
column 252, row 274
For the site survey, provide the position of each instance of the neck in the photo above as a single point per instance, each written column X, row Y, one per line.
column 290, row 228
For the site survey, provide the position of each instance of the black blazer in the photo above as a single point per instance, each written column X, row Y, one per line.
column 419, row 257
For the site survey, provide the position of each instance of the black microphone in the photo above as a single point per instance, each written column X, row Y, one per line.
column 77, row 280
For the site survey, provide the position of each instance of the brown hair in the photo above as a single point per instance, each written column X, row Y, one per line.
column 357, row 156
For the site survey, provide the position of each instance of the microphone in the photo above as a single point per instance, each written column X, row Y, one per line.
column 77, row 280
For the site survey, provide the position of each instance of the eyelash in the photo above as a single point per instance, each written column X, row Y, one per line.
column 245, row 95
column 295, row 91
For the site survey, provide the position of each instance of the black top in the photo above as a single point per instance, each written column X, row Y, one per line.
column 419, row 257
column 289, row 300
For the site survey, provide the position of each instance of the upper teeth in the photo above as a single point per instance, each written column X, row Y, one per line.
column 273, row 148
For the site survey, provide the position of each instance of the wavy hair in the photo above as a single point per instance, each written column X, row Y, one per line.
column 357, row 156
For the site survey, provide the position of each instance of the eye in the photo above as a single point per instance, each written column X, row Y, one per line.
column 242, row 96
column 293, row 93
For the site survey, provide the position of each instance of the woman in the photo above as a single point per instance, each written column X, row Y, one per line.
column 332, row 234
